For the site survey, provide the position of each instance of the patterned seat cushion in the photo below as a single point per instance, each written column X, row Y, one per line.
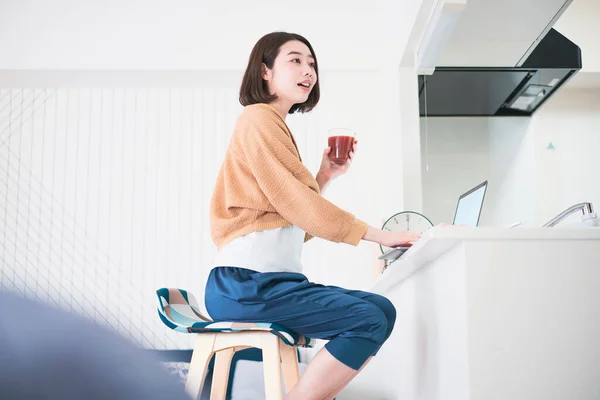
column 179, row 310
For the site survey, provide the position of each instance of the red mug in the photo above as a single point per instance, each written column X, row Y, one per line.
column 341, row 141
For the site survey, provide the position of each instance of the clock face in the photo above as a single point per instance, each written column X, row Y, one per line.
column 406, row 221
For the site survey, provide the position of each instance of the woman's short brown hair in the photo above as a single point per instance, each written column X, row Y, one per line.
column 254, row 88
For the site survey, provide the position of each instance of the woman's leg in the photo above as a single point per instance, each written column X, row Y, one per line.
column 322, row 365
column 322, row 378
column 355, row 328
column 380, row 301
column 337, row 390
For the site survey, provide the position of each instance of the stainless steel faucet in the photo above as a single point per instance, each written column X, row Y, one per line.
column 588, row 213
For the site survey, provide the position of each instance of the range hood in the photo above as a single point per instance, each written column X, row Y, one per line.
column 500, row 59
column 497, row 91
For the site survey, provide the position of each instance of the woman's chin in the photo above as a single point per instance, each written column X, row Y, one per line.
column 300, row 99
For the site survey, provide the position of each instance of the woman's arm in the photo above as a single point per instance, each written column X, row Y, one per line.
column 322, row 181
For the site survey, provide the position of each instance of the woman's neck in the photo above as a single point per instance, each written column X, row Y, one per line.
column 282, row 109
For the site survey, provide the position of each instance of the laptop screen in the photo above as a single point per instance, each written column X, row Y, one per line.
column 469, row 206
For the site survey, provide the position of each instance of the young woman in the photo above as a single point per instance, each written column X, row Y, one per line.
column 266, row 204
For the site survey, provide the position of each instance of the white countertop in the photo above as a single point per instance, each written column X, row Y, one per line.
column 438, row 240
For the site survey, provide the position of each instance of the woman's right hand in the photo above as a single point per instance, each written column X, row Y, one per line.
column 391, row 239
column 399, row 239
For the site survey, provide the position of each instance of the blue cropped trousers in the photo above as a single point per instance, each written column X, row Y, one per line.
column 356, row 323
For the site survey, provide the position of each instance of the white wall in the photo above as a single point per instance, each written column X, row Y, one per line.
column 105, row 196
column 455, row 157
column 511, row 195
column 528, row 182
column 571, row 173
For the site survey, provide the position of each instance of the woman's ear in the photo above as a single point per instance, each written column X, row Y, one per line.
column 265, row 72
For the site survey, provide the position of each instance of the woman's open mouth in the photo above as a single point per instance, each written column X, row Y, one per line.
column 305, row 85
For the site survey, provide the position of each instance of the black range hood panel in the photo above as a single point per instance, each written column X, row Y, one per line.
column 510, row 91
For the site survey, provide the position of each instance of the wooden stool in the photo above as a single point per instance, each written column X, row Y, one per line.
column 179, row 310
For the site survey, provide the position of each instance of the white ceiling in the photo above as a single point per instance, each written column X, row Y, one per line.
column 196, row 34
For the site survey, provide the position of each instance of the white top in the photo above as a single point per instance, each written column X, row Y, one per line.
column 274, row 250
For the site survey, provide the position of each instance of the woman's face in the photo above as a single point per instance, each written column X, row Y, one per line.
column 293, row 74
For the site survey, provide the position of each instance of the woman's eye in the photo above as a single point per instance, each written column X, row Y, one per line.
column 296, row 60
column 313, row 65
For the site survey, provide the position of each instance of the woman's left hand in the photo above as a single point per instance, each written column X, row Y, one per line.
column 330, row 170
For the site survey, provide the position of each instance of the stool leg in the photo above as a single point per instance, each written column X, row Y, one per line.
column 220, row 378
column 271, row 366
column 203, row 350
column 289, row 361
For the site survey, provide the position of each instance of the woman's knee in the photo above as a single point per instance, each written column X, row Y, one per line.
column 390, row 312
column 377, row 323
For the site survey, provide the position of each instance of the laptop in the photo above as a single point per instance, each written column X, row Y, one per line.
column 468, row 212
column 468, row 208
